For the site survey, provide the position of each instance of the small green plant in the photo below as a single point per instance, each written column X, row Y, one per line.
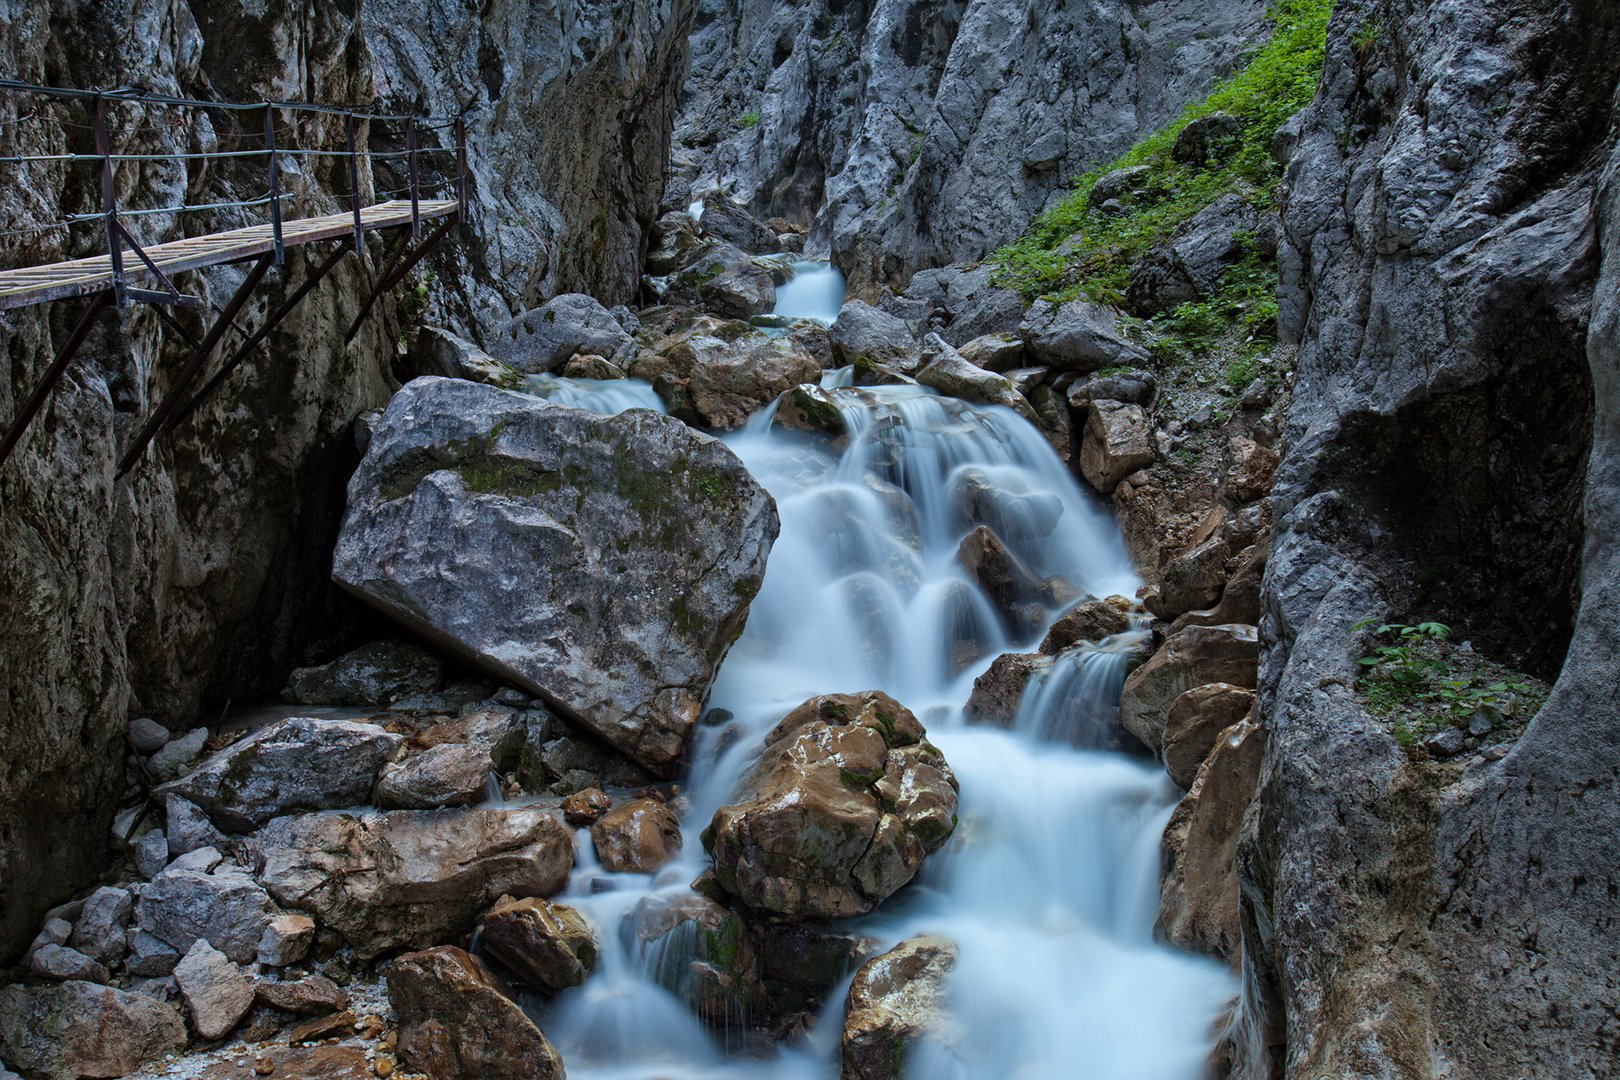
column 1367, row 37
column 1402, row 659
column 748, row 119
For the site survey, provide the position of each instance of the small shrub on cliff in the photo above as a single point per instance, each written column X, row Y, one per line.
column 1278, row 81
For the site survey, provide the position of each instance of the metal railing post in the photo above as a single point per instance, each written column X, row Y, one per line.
column 410, row 151
column 275, row 180
column 461, row 170
column 109, row 198
column 354, row 186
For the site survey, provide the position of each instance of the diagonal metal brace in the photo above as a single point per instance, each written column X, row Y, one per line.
column 99, row 303
column 174, row 296
column 309, row 282
column 390, row 280
column 187, row 374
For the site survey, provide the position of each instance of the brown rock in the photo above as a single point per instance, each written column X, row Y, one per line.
column 1240, row 600
column 586, row 807
column 497, row 729
column 1091, row 621
column 730, row 387
column 296, row 1063
column 453, row 1022
column 286, row 940
column 1118, row 440
column 1193, row 723
column 217, row 992
column 702, row 953
column 410, row 877
column 591, row 366
column 322, row 1027
column 994, row 352
column 845, row 801
column 1191, row 581
column 78, row 1029
column 1249, row 471
column 1196, row 656
column 1012, row 588
column 637, row 837
column 997, row 692
column 309, row 996
column 550, row 945
column 450, row 774
column 1199, row 887
column 896, row 999
column 812, row 958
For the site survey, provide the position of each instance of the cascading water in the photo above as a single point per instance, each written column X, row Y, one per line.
column 1050, row 883
column 815, row 291
column 608, row 396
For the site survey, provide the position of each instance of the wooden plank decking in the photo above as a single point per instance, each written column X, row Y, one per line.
column 37, row 284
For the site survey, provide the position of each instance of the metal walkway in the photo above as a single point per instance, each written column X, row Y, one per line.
column 59, row 281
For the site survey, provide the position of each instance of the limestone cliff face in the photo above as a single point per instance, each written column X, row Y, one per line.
column 1450, row 215
column 910, row 135
column 203, row 574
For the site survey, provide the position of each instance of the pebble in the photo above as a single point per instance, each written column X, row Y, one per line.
column 263, row 1066
column 384, row 1066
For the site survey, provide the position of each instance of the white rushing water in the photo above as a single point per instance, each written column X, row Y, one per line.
column 609, row 396
column 815, row 291
column 1050, row 883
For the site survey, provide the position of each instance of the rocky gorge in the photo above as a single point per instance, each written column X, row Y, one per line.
column 1101, row 634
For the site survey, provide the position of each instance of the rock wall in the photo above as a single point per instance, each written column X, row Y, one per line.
column 203, row 575
column 912, row 135
column 1449, row 217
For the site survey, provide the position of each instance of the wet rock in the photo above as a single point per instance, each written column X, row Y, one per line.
column 436, row 351
column 146, row 735
column 150, row 957
column 1090, row 621
column 78, row 1029
column 227, row 910
column 729, row 388
column 725, row 280
column 286, row 940
column 1018, row 518
column 1209, row 136
column 655, row 530
column 808, row 407
column 1010, row 585
column 994, row 352
column 675, row 243
column 1249, row 471
column 846, row 800
column 586, row 807
column 1199, row 893
column 375, row 674
column 896, row 999
column 1077, row 336
column 176, row 756
column 60, row 962
column 1118, row 441
column 702, row 953
column 216, row 992
column 1194, row 722
column 1115, row 184
column 637, row 837
column 864, row 334
column 812, row 958
column 1027, row 379
column 724, row 220
column 1191, row 264
column 1240, row 600
column 100, row 932
column 550, row 945
column 188, row 828
column 297, row 764
column 591, row 366
column 499, row 732
column 1196, row 656
column 544, row 338
column 454, row 1022
column 409, row 877
column 313, row 995
column 944, row 369
column 998, row 691
column 152, row 853
column 450, row 774
column 1133, row 387
column 1053, row 418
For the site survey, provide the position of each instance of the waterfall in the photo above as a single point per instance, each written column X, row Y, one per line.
column 815, row 291
column 607, row 396
column 1049, row 885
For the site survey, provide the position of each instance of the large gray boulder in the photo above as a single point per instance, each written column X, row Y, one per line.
column 409, row 878
column 299, row 764
column 377, row 673
column 726, row 221
column 79, row 1029
column 543, row 339
column 228, row 910
column 945, row 370
column 864, row 333
column 724, row 279
column 603, row 563
column 1192, row 263
column 1078, row 336
column 963, row 302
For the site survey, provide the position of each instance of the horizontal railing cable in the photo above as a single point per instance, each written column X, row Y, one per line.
column 146, row 97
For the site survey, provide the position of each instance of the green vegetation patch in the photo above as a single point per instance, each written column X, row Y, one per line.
column 1074, row 251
